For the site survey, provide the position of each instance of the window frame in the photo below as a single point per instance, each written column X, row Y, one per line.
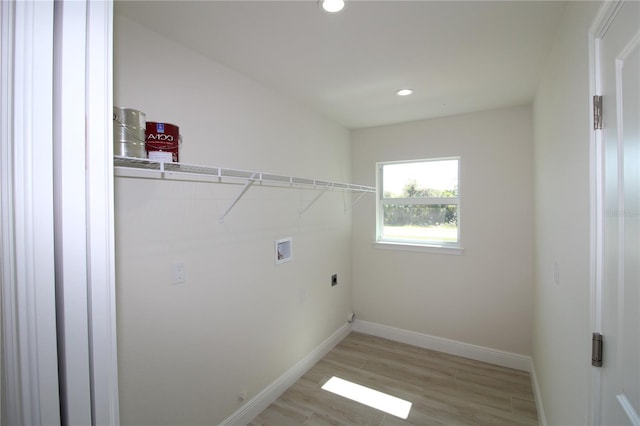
column 445, row 247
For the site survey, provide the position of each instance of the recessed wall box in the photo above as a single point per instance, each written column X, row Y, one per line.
column 284, row 250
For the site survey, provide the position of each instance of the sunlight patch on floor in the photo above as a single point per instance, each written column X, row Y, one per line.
column 367, row 396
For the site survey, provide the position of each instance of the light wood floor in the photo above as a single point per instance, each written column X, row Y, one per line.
column 444, row 389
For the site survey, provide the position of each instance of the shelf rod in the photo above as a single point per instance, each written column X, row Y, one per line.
column 245, row 188
column 314, row 200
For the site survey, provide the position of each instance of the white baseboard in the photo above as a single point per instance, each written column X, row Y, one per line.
column 264, row 398
column 542, row 420
column 479, row 353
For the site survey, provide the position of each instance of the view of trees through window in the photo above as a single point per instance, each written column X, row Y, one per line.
column 420, row 201
column 421, row 215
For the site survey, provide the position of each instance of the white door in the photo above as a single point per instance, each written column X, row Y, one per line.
column 57, row 285
column 618, row 75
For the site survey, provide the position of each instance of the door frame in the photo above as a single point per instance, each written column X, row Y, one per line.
column 36, row 142
column 601, row 22
column 29, row 347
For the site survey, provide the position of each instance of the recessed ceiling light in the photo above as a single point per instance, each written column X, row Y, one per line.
column 404, row 92
column 332, row 6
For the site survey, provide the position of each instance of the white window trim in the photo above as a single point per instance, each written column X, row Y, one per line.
column 408, row 245
column 425, row 248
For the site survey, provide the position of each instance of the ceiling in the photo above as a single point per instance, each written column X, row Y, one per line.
column 458, row 56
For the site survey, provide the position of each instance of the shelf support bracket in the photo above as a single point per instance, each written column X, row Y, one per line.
column 359, row 198
column 312, row 202
column 362, row 194
column 245, row 188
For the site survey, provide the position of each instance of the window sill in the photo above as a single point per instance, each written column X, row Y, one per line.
column 388, row 245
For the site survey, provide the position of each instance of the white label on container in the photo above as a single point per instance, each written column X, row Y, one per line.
column 165, row 157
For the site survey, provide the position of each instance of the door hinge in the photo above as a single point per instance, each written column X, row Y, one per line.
column 596, row 350
column 597, row 112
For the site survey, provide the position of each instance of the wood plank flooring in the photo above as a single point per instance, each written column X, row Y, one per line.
column 444, row 389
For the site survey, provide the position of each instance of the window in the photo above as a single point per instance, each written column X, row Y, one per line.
column 419, row 203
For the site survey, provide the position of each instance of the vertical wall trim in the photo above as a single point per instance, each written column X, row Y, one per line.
column 69, row 83
column 605, row 15
column 100, row 219
column 83, row 182
column 29, row 361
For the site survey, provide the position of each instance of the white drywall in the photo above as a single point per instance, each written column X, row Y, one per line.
column 482, row 297
column 561, row 335
column 186, row 352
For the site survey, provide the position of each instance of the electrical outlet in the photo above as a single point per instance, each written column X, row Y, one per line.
column 179, row 273
column 334, row 280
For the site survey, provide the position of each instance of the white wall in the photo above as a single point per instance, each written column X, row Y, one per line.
column 561, row 336
column 187, row 351
column 483, row 296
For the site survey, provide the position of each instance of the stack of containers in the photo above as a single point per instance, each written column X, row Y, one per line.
column 134, row 136
column 129, row 126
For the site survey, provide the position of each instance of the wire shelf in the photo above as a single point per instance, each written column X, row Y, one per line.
column 169, row 170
